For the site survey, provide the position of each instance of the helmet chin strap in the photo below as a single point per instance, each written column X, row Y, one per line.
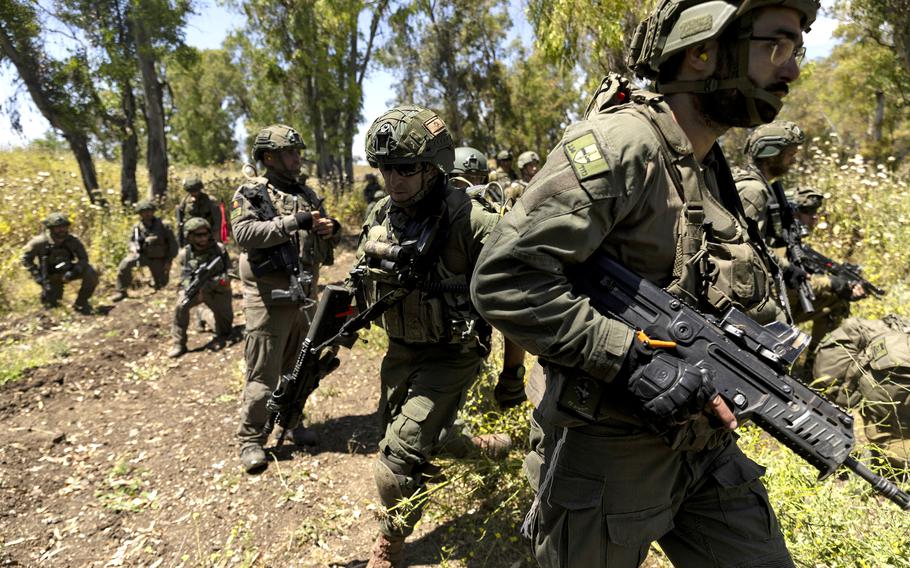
column 739, row 82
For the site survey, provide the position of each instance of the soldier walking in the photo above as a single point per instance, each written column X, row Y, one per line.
column 210, row 287
column 56, row 257
column 197, row 203
column 624, row 452
column 285, row 236
column 152, row 244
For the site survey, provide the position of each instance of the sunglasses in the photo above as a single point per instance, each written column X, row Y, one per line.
column 200, row 234
column 404, row 170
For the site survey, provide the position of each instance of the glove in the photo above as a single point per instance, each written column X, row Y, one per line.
column 304, row 220
column 70, row 275
column 510, row 387
column 669, row 390
column 842, row 287
column 794, row 276
column 36, row 274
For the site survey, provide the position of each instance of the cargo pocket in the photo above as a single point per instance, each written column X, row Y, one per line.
column 638, row 529
column 742, row 501
column 409, row 425
column 573, row 520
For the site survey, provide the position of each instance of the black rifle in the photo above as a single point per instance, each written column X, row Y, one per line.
column 817, row 263
column 181, row 240
column 198, row 279
column 748, row 362
column 791, row 235
column 284, row 257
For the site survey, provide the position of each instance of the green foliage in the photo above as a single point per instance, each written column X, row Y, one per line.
column 126, row 489
column 16, row 356
column 206, row 106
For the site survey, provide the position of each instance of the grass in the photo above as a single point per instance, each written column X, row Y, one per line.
column 126, row 490
column 16, row 356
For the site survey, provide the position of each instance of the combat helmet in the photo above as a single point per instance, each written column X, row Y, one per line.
column 770, row 139
column 470, row 161
column 504, row 155
column 56, row 219
column 196, row 223
column 408, row 135
column 192, row 183
column 675, row 25
column 276, row 137
column 144, row 205
column 808, row 199
column 526, row 158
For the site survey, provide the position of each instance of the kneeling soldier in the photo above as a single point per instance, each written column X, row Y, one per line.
column 152, row 244
column 204, row 280
column 61, row 258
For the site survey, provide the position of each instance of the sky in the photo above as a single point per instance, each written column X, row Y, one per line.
column 208, row 28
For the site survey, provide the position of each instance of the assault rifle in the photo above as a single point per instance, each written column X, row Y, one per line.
column 283, row 257
column 198, row 279
column 791, row 235
column 816, row 263
column 138, row 240
column 749, row 363
column 181, row 240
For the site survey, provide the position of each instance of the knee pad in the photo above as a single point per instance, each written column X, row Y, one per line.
column 393, row 481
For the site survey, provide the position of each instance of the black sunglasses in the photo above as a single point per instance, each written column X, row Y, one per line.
column 404, row 170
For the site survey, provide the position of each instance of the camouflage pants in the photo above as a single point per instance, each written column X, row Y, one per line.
column 830, row 311
column 219, row 302
column 614, row 492
column 423, row 388
column 273, row 337
column 89, row 281
column 159, row 267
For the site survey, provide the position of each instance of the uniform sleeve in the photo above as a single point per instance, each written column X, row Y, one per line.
column 838, row 366
column 520, row 284
column 78, row 249
column 755, row 199
column 30, row 254
column 172, row 246
column 250, row 233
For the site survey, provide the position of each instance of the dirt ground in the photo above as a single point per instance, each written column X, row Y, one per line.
column 115, row 455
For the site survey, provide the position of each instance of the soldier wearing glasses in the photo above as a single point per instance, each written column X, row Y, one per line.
column 644, row 181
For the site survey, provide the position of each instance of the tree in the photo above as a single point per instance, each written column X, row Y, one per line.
column 449, row 56
column 205, row 91
column 62, row 90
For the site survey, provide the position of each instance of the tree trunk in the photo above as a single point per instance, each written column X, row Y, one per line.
column 315, row 113
column 878, row 119
column 29, row 64
column 129, row 148
column 156, row 151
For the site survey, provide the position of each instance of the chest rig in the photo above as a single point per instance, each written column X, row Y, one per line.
column 720, row 259
column 775, row 223
column 404, row 259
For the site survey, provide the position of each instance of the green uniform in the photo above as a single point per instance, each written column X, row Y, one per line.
column 153, row 246
column 865, row 364
column 609, row 488
column 67, row 257
column 203, row 206
column 216, row 293
column 436, row 342
column 274, row 330
column 514, row 191
column 503, row 176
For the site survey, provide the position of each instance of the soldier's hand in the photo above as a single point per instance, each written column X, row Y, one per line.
column 857, row 291
column 325, row 228
column 718, row 407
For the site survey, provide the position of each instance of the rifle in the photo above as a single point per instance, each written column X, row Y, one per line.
column 816, row 262
column 181, row 240
column 791, row 235
column 198, row 279
column 139, row 240
column 279, row 257
column 748, row 362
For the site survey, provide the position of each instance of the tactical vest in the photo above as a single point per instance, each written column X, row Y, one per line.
column 314, row 250
column 157, row 247
column 439, row 310
column 193, row 260
column 717, row 264
column 202, row 206
column 774, row 225
column 58, row 253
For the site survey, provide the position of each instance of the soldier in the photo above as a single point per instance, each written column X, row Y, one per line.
column 215, row 291
column 152, row 244
column 528, row 164
column 57, row 257
column 197, row 203
column 437, row 341
column 644, row 180
column 503, row 173
column 372, row 191
column 470, row 168
column 286, row 236
column 865, row 364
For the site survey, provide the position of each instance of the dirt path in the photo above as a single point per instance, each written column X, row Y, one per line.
column 115, row 455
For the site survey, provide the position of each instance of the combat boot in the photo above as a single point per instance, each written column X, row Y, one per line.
column 387, row 552
column 253, row 458
column 299, row 436
column 84, row 308
column 493, row 446
column 119, row 296
column 177, row 350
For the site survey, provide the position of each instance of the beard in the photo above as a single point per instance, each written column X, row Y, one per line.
column 730, row 108
column 775, row 167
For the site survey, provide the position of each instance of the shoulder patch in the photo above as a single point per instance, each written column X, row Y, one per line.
column 236, row 209
column 585, row 156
